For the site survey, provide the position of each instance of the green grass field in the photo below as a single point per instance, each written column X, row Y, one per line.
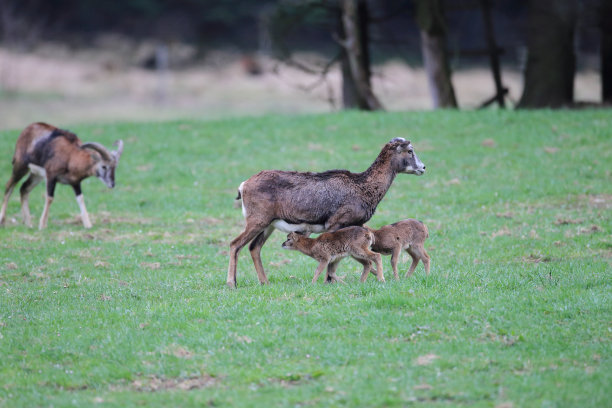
column 516, row 312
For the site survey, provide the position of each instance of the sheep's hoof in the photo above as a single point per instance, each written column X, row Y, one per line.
column 231, row 285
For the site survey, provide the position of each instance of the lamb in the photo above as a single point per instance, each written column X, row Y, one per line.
column 315, row 202
column 407, row 234
column 57, row 155
column 331, row 247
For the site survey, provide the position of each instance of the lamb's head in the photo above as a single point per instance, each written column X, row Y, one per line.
column 106, row 161
column 291, row 241
column 404, row 159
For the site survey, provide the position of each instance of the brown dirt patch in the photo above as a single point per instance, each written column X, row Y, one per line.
column 154, row 383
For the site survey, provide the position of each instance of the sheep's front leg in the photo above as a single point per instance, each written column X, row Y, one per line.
column 367, row 265
column 395, row 255
column 48, row 200
column 81, row 201
column 322, row 265
column 249, row 233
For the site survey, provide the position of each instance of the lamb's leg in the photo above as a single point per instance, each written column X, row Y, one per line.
column 16, row 175
column 379, row 269
column 331, row 272
column 395, row 255
column 417, row 252
column 322, row 265
column 250, row 232
column 255, row 249
column 367, row 268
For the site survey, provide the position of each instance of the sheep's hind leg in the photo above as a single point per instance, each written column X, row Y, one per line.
column 26, row 189
column 377, row 259
column 17, row 175
column 331, row 276
column 417, row 252
column 250, row 232
column 367, row 268
column 255, row 249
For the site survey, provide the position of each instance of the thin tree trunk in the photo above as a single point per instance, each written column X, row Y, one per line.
column 350, row 95
column 354, row 24
column 551, row 62
column 430, row 19
column 606, row 51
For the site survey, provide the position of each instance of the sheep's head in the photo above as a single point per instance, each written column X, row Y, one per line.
column 105, row 167
column 404, row 158
column 291, row 241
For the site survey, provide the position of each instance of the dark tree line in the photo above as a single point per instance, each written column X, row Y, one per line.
column 346, row 30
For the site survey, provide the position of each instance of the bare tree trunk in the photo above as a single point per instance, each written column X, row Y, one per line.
column 551, row 62
column 606, row 51
column 356, row 64
column 430, row 19
column 350, row 98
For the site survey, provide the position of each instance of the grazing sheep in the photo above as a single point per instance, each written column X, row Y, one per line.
column 56, row 155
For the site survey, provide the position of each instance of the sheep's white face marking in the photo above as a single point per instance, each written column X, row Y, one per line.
column 286, row 227
column 106, row 172
column 413, row 164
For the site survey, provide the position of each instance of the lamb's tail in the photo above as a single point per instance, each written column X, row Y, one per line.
column 370, row 235
column 425, row 228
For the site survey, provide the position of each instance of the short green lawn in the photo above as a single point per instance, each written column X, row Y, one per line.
column 516, row 312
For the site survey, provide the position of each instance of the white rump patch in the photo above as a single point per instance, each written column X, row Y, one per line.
column 37, row 170
column 286, row 227
column 242, row 199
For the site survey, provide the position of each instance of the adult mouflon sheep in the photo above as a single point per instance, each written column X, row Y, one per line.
column 315, row 202
column 57, row 155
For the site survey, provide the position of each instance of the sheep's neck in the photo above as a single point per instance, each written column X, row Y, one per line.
column 377, row 180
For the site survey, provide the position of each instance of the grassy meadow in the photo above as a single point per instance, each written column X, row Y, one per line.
column 517, row 310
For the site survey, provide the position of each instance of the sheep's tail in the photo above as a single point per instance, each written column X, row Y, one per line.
column 425, row 229
column 370, row 235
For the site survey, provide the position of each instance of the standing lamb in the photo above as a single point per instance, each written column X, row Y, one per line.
column 315, row 202
column 407, row 234
column 331, row 247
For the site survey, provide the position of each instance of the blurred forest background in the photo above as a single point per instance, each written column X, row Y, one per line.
column 94, row 60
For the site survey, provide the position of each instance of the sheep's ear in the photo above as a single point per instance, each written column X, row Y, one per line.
column 405, row 146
